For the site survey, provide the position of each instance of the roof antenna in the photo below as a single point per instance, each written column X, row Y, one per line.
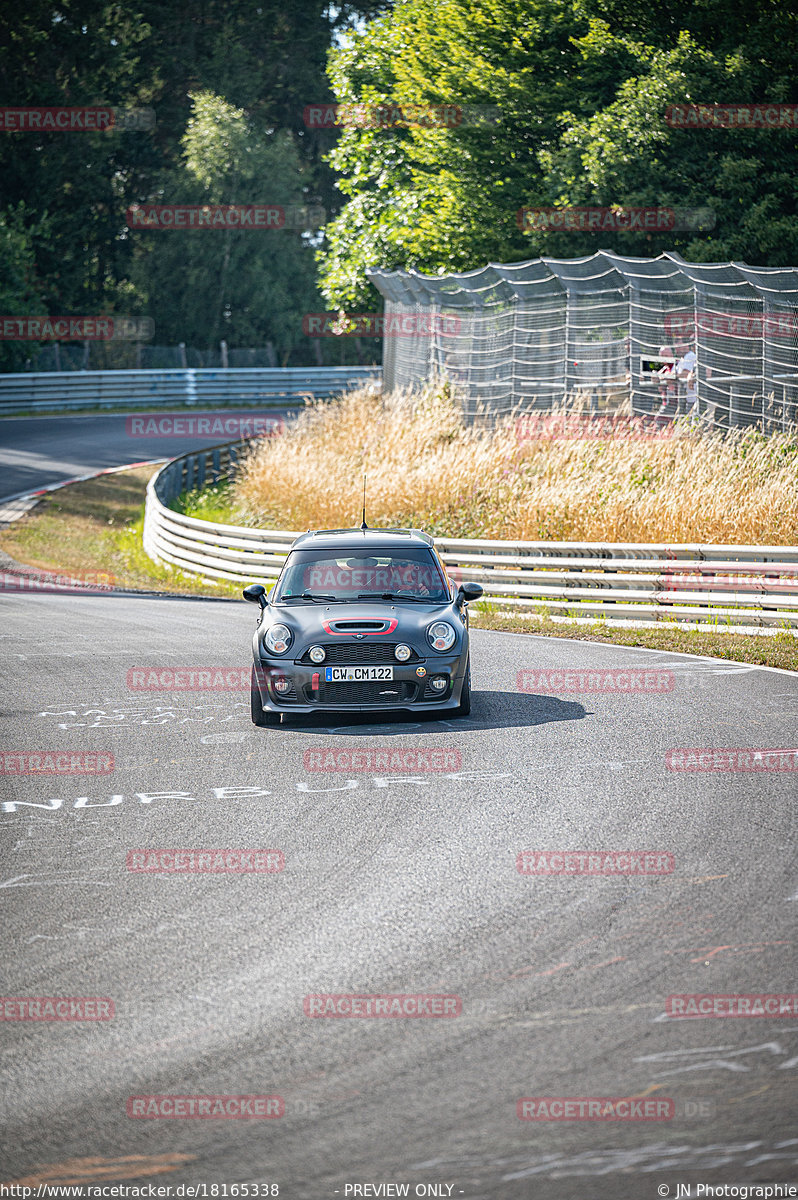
column 364, row 526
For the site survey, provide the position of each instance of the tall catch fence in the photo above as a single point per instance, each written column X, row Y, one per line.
column 649, row 337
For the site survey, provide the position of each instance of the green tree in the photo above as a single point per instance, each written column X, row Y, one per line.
column 445, row 198
column 627, row 153
column 20, row 290
column 261, row 56
column 249, row 287
column 73, row 53
column 582, row 86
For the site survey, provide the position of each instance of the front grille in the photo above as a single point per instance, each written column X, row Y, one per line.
column 355, row 654
column 382, row 691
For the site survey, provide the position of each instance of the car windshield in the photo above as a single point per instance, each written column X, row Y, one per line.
column 349, row 576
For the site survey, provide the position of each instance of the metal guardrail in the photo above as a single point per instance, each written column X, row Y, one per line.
column 57, row 391
column 739, row 587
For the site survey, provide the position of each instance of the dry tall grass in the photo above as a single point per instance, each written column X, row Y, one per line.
column 548, row 479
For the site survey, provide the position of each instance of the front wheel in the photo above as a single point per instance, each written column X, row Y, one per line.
column 260, row 716
column 464, row 707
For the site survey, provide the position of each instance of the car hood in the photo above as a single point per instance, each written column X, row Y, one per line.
column 331, row 622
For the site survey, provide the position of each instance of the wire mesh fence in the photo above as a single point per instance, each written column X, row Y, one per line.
column 653, row 338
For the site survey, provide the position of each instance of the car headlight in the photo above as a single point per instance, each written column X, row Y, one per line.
column 277, row 639
column 317, row 654
column 441, row 635
column 402, row 652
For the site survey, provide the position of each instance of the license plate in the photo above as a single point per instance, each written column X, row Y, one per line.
column 356, row 674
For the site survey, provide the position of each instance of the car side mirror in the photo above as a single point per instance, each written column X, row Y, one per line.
column 470, row 591
column 255, row 592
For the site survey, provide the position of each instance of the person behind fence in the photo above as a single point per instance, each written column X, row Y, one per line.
column 685, row 372
column 667, row 387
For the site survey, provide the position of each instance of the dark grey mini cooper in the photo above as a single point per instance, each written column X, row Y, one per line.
column 364, row 620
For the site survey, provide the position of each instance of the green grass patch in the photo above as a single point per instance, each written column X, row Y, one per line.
column 214, row 503
column 95, row 527
column 768, row 650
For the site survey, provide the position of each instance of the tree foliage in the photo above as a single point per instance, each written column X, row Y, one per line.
column 261, row 57
column 249, row 287
column 582, row 87
column 20, row 290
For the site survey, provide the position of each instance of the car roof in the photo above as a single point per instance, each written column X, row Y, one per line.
column 360, row 539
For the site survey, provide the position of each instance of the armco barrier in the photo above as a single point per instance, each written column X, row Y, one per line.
column 738, row 587
column 59, row 391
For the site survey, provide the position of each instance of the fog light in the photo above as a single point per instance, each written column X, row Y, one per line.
column 439, row 682
column 281, row 684
column 317, row 654
column 402, row 652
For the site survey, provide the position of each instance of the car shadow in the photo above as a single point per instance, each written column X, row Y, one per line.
column 489, row 710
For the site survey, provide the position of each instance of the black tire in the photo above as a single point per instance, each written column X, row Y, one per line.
column 464, row 707
column 260, row 716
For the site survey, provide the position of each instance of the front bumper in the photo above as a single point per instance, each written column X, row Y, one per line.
column 407, row 690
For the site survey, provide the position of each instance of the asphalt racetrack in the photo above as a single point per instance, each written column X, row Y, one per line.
column 393, row 883
column 38, row 451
